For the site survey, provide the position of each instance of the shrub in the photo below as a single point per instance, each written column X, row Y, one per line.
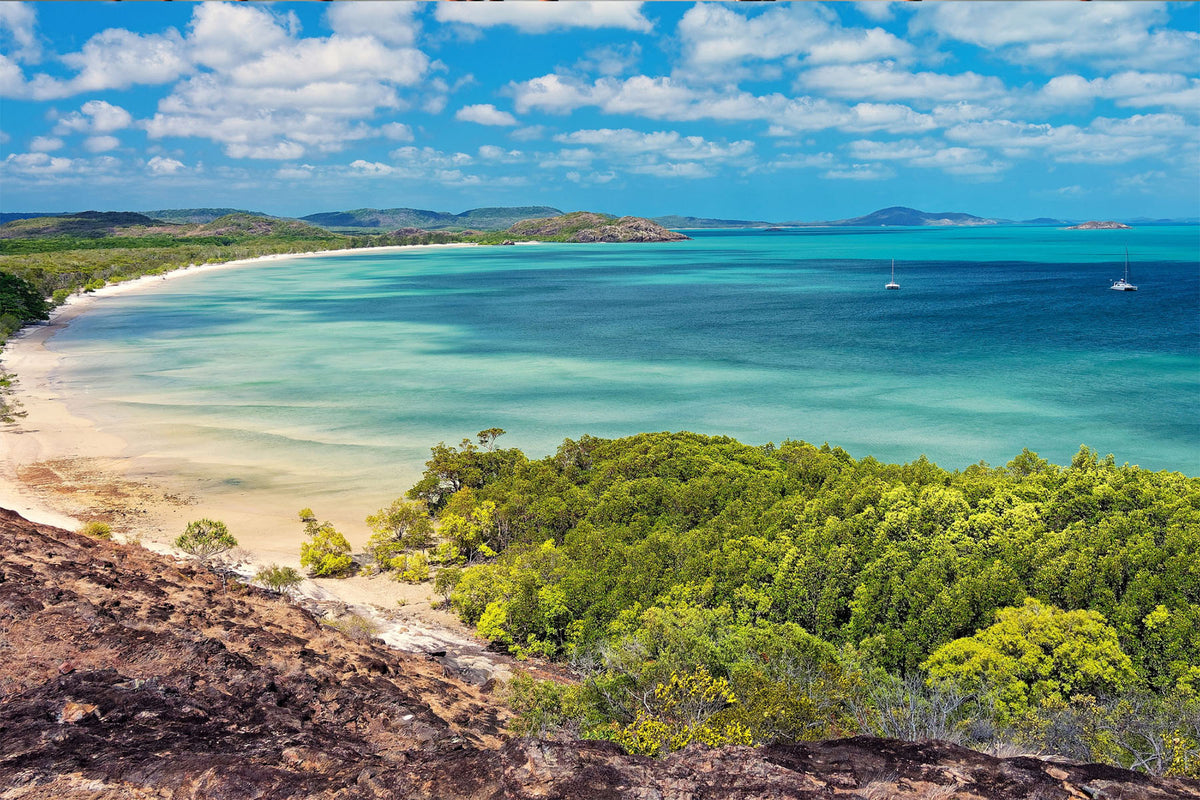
column 98, row 529
column 327, row 554
column 282, row 580
column 205, row 538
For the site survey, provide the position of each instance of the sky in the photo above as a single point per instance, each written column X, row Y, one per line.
column 762, row 111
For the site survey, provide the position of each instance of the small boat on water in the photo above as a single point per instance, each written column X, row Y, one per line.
column 893, row 284
column 1123, row 284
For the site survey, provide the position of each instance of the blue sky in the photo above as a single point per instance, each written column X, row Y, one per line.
column 777, row 111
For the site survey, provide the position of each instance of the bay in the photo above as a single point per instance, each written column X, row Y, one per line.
column 333, row 375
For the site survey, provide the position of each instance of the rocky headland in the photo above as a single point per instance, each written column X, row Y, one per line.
column 1100, row 225
column 588, row 226
column 128, row 674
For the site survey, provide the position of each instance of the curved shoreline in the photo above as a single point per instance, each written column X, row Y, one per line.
column 59, row 468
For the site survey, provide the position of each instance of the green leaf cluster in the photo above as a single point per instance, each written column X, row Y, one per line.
column 205, row 538
column 326, row 554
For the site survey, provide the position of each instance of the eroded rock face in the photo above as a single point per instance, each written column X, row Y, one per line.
column 124, row 674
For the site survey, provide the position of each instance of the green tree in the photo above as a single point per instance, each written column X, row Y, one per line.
column 281, row 580
column 205, row 538
column 327, row 553
column 404, row 525
column 1033, row 654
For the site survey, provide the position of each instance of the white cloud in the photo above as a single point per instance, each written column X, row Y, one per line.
column 882, row 81
column 45, row 144
column 95, row 116
column 18, row 34
column 392, row 23
column 494, row 153
column 667, row 98
column 12, row 79
column 164, row 166
column 397, row 131
column 485, row 114
column 1130, row 89
column 667, row 144
column 544, row 17
column 101, row 144
column 370, row 167
column 1032, row 33
column 877, row 10
column 295, row 172
column 1105, row 141
column 336, row 59
column 222, row 35
column 118, row 59
column 429, row 157
column 38, row 164
column 718, row 40
column 281, row 150
column 614, row 59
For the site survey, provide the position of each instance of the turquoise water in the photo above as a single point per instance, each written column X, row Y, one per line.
column 335, row 374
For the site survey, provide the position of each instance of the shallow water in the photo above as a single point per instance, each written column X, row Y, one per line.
column 332, row 376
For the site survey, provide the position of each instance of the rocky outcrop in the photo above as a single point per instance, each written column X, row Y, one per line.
column 1105, row 225
column 587, row 226
column 125, row 674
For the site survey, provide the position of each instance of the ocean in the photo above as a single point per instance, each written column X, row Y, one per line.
column 332, row 376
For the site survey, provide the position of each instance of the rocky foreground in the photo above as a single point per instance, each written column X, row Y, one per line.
column 124, row 674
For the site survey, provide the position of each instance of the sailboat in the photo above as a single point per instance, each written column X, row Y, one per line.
column 893, row 284
column 1123, row 284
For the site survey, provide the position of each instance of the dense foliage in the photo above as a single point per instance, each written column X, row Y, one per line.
column 799, row 572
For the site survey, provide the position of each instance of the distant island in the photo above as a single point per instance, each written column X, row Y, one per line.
column 1106, row 225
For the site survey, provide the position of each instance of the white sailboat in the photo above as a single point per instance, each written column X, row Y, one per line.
column 1123, row 284
column 893, row 284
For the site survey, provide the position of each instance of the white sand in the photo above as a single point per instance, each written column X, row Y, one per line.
column 58, row 468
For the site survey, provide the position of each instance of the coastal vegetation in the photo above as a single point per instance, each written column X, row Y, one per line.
column 711, row 590
column 205, row 538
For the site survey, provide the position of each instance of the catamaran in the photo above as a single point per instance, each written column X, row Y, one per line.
column 1123, row 284
column 893, row 284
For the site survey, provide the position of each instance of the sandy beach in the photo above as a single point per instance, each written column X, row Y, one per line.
column 58, row 468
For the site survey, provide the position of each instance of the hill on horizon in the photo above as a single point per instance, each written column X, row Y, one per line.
column 492, row 218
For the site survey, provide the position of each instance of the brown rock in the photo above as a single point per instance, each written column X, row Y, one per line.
column 73, row 712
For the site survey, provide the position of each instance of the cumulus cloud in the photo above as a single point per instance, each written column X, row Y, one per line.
column 45, row 144
column 18, row 32
column 392, row 23
column 494, row 153
column 159, row 165
column 95, row 116
column 101, row 144
column 545, row 17
column 118, row 59
column 1131, row 89
column 1033, row 33
column 967, row 161
column 718, row 40
column 397, row 131
column 1105, row 141
column 668, row 144
column 485, row 114
column 882, row 81
column 222, row 35
column 668, row 98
